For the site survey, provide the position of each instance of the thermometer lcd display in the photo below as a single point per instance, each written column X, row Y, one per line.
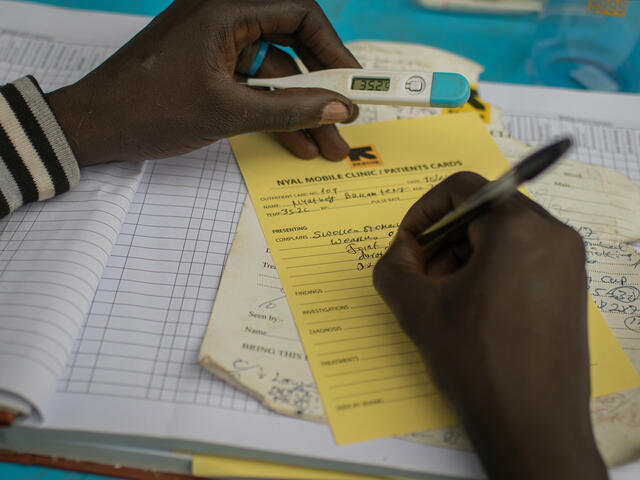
column 371, row 84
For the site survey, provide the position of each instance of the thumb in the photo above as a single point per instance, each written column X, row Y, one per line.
column 404, row 259
column 293, row 109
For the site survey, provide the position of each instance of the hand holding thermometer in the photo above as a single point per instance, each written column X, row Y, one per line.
column 381, row 87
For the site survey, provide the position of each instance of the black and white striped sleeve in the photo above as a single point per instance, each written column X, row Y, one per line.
column 36, row 161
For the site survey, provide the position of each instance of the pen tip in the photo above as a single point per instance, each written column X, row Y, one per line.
column 542, row 158
column 563, row 145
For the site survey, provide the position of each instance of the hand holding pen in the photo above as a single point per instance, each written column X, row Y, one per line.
column 494, row 192
column 498, row 311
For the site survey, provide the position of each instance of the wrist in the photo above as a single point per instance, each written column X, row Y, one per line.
column 84, row 124
column 541, row 453
column 573, row 462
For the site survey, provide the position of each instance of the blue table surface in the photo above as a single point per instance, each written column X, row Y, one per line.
column 499, row 43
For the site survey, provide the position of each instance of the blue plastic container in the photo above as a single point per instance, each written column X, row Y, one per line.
column 593, row 44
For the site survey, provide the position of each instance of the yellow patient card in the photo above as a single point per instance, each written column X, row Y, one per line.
column 327, row 223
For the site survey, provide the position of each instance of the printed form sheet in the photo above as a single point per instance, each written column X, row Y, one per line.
column 327, row 224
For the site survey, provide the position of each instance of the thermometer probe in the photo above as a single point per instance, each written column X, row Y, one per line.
column 381, row 87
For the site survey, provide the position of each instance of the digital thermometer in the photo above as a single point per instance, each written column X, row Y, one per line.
column 381, row 87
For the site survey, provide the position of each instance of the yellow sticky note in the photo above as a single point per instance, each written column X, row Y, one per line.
column 326, row 224
column 216, row 466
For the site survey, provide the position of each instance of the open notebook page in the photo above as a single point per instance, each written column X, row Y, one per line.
column 153, row 302
column 52, row 254
column 154, row 297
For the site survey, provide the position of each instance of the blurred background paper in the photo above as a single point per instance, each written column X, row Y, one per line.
column 497, row 7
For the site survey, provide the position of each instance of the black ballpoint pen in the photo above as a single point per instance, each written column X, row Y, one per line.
column 494, row 192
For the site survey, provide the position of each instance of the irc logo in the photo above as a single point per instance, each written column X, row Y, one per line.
column 364, row 157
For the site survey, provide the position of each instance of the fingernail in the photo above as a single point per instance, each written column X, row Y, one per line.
column 334, row 112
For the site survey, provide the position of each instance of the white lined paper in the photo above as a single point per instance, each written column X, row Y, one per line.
column 52, row 254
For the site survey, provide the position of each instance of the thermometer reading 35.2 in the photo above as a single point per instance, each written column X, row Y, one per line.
column 421, row 89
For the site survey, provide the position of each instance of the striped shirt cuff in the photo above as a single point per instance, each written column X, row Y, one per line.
column 36, row 161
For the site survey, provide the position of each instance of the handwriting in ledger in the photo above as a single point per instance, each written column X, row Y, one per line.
column 300, row 395
column 303, row 396
column 633, row 323
column 613, row 280
column 241, row 366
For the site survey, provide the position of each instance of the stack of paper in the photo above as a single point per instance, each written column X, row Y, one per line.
column 284, row 382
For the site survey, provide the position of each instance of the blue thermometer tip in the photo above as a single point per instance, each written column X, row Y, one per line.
column 449, row 90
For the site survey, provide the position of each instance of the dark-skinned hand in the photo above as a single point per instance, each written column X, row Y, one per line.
column 173, row 88
column 499, row 313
